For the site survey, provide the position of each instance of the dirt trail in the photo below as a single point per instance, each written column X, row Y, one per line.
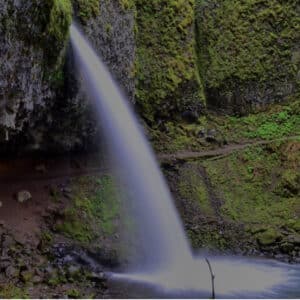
column 193, row 155
column 38, row 175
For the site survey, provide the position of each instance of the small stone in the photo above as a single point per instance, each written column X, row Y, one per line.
column 8, row 242
column 67, row 192
column 11, row 272
column 190, row 116
column 4, row 264
column 97, row 277
column 1, row 204
column 268, row 237
column 41, row 168
column 26, row 276
column 37, row 279
column 23, row 196
column 294, row 239
column 286, row 247
column 73, row 270
column 201, row 133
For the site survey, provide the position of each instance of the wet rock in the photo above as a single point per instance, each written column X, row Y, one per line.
column 286, row 247
column 280, row 257
column 294, row 239
column 26, row 276
column 49, row 270
column 201, row 133
column 66, row 191
column 23, row 196
column 37, row 279
column 40, row 168
column 4, row 264
column 190, row 116
column 11, row 272
column 73, row 271
column 212, row 136
column 269, row 237
column 97, row 277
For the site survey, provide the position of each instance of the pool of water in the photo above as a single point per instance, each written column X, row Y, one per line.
column 234, row 278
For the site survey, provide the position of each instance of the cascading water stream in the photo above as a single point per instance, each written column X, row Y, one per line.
column 162, row 234
column 167, row 259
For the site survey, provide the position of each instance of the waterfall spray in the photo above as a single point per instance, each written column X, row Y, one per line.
column 161, row 232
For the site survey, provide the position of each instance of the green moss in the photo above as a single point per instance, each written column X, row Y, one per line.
column 127, row 4
column 268, row 237
column 252, row 196
column 60, row 19
column 296, row 225
column 87, row 9
column 278, row 121
column 10, row 291
column 55, row 19
column 73, row 294
column 178, row 136
column 56, row 279
column 93, row 211
column 26, row 276
column 289, row 185
column 165, row 68
column 192, row 186
column 248, row 44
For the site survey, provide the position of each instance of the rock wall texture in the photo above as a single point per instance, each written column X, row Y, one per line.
column 249, row 53
column 108, row 25
column 166, row 68
column 42, row 105
column 169, row 57
column 32, row 37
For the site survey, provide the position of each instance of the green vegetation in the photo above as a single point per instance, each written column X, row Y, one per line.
column 166, row 72
column 60, row 19
column 176, row 137
column 94, row 209
column 127, row 4
column 192, row 186
column 87, row 9
column 253, row 186
column 10, row 291
column 249, row 47
column 73, row 294
column 278, row 121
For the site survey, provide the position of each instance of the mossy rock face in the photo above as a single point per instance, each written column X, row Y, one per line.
column 33, row 37
column 296, row 225
column 268, row 237
column 248, row 52
column 166, row 70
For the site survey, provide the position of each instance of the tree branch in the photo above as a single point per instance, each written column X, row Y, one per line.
column 212, row 279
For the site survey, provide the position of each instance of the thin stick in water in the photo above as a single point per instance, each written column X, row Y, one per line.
column 212, row 278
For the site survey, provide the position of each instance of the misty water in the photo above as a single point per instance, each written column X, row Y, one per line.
column 167, row 263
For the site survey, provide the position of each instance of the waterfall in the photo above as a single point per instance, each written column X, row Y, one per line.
column 167, row 261
column 161, row 232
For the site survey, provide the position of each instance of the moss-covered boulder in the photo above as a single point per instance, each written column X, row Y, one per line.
column 268, row 237
column 167, row 77
column 249, row 53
